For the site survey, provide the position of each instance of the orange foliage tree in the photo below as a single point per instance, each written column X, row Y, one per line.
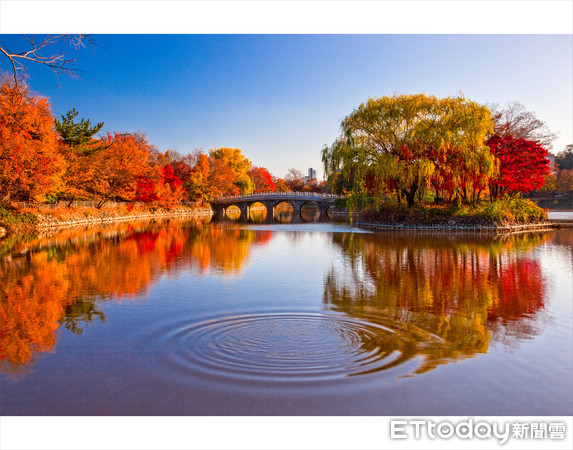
column 123, row 160
column 232, row 160
column 262, row 179
column 30, row 165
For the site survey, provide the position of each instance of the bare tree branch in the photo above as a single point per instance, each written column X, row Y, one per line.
column 39, row 52
column 513, row 119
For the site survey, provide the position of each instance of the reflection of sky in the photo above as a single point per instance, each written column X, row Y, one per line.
column 557, row 268
column 561, row 215
column 526, row 369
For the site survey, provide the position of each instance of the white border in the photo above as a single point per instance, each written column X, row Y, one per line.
column 165, row 433
column 279, row 16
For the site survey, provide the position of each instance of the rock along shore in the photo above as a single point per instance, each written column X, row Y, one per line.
column 106, row 216
column 486, row 229
column 94, row 217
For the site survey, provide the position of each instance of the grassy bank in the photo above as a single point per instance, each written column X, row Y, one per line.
column 502, row 212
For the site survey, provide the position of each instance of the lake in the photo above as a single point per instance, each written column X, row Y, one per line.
column 296, row 317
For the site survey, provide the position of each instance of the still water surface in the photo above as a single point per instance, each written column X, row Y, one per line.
column 188, row 317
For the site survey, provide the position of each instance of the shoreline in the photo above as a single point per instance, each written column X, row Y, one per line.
column 47, row 222
column 477, row 229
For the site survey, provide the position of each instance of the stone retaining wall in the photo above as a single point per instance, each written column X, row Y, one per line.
column 459, row 228
column 106, row 216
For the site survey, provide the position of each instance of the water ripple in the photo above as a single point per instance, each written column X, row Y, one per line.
column 286, row 346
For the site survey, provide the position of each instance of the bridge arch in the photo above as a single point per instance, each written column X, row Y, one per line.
column 231, row 210
column 310, row 211
column 276, row 204
column 273, row 199
column 257, row 212
column 310, row 203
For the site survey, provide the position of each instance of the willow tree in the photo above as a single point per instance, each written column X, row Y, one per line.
column 408, row 142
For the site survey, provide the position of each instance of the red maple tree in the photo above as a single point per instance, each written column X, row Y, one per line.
column 523, row 165
column 262, row 179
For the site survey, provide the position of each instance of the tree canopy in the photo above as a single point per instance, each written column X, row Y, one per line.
column 30, row 164
column 512, row 119
column 565, row 158
column 76, row 134
column 407, row 142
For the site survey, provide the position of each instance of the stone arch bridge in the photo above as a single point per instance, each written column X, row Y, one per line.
column 271, row 200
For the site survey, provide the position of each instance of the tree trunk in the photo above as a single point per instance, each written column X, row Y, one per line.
column 411, row 195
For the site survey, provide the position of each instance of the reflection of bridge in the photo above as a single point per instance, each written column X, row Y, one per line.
column 271, row 200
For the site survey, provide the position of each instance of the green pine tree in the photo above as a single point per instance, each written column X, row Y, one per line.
column 76, row 134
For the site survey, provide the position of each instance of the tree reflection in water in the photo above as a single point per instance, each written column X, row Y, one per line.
column 442, row 298
column 62, row 280
column 453, row 295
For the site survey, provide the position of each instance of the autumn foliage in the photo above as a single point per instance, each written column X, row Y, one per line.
column 523, row 165
column 262, row 179
column 420, row 148
column 43, row 159
column 31, row 165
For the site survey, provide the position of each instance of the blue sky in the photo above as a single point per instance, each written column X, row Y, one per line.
column 280, row 98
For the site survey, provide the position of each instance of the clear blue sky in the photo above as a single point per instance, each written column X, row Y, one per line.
column 280, row 98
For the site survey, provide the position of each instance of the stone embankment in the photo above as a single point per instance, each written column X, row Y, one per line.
column 46, row 221
column 495, row 229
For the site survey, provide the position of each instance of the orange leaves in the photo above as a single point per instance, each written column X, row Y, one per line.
column 30, row 165
column 118, row 166
column 38, row 164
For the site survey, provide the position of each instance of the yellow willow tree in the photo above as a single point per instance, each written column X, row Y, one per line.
column 404, row 142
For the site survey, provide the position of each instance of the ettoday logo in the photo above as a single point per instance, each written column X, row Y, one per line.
column 468, row 429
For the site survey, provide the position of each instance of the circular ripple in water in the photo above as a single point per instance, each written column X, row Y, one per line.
column 289, row 346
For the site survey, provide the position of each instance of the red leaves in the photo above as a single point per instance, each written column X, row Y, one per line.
column 166, row 189
column 145, row 191
column 523, row 165
column 262, row 179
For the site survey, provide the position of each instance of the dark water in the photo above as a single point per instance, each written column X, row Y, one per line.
column 296, row 317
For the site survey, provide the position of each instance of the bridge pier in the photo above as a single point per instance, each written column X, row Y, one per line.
column 245, row 210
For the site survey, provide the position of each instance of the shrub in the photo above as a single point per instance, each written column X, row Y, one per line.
column 13, row 220
column 511, row 211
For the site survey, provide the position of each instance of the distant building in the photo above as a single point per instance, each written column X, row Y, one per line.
column 552, row 165
column 311, row 174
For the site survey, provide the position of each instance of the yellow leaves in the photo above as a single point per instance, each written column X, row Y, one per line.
column 239, row 166
column 428, row 137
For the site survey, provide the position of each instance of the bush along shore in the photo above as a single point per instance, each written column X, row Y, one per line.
column 501, row 215
column 14, row 221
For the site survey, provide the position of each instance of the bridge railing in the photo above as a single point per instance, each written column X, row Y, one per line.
column 276, row 194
